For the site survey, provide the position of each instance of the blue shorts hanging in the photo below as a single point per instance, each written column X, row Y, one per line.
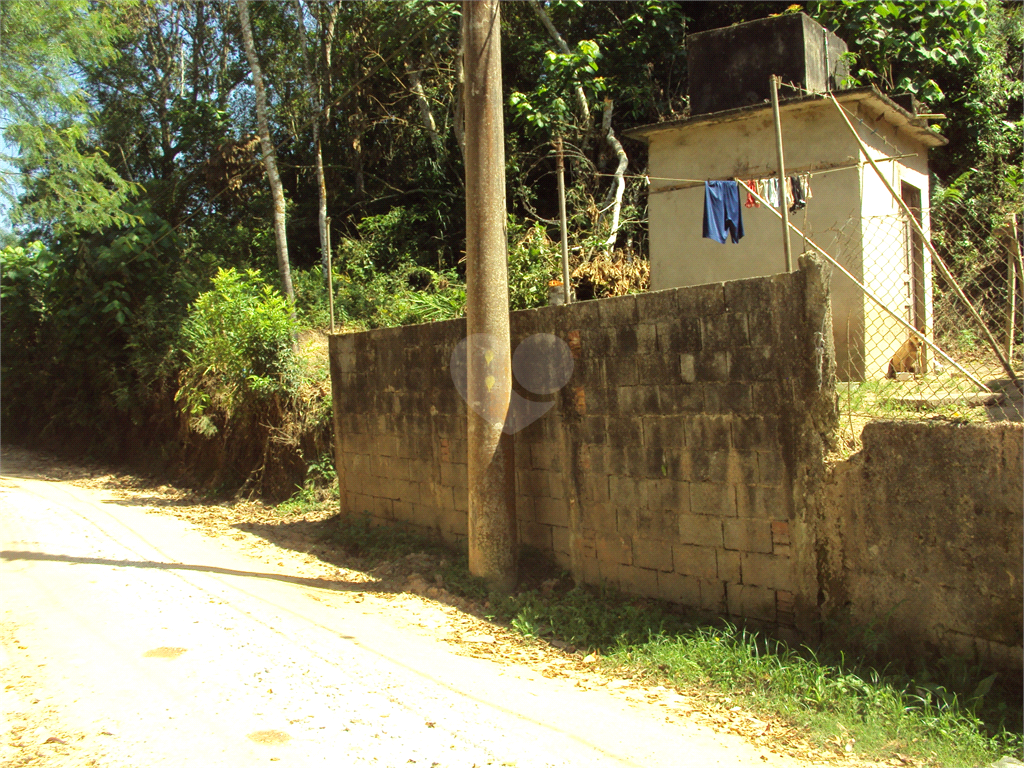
column 722, row 208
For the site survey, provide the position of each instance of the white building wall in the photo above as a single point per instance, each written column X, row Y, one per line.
column 841, row 214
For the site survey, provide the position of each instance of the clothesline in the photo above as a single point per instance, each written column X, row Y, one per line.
column 690, row 183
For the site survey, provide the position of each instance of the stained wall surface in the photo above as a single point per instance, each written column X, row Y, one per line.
column 666, row 467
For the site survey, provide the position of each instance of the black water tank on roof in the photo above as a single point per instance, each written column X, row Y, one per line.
column 730, row 67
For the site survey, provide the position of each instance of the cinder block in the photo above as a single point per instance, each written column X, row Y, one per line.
column 748, row 295
column 757, row 364
column 594, row 488
column 732, row 397
column 534, row 483
column 536, row 535
column 709, row 433
column 780, row 532
column 701, row 530
column 557, row 483
column 748, row 535
column 656, row 305
column 461, row 499
column 651, row 553
column 772, row 396
column 669, row 495
column 402, row 510
column 658, row 524
column 590, row 571
column 771, row 469
column 560, row 540
column 742, row 467
column 595, row 342
column 592, row 430
column 767, row 570
column 551, row 511
column 679, row 335
column 638, row 581
column 701, row 300
column 440, row 496
column 687, row 369
column 624, row 491
column 712, row 596
column 608, row 573
column 729, row 566
column 751, row 602
column 755, row 432
column 625, row 521
column 625, row 432
column 663, row 432
column 695, row 561
column 681, row 398
column 600, row 516
column 762, row 502
column 711, row 366
column 546, row 457
column 614, row 548
column 713, row 499
column 618, row 311
column 455, row 524
column 763, row 328
column 454, row 475
column 620, row 371
column 725, row 331
column 708, row 467
column 679, row 588
column 638, row 400
column 658, row 369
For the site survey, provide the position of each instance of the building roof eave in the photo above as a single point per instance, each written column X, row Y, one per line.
column 888, row 110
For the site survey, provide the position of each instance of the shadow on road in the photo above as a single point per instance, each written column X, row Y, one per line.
column 329, row 584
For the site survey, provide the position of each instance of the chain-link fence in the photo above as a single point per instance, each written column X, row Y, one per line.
column 966, row 306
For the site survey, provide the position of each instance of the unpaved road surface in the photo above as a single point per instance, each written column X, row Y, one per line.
column 130, row 637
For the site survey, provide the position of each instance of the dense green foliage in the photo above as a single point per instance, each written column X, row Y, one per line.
column 137, row 176
column 238, row 346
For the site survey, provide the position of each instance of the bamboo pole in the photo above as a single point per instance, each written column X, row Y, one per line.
column 931, row 249
column 562, row 221
column 871, row 295
column 783, row 211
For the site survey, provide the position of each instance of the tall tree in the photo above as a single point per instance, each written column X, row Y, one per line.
column 269, row 153
column 60, row 181
column 315, row 91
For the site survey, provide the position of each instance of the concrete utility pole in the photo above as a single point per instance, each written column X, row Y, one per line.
column 492, row 518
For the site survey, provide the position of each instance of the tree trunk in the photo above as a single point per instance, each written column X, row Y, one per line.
column 426, row 113
column 269, row 157
column 491, row 461
column 316, row 103
column 459, row 125
column 615, row 193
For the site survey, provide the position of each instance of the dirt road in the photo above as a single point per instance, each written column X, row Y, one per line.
column 132, row 638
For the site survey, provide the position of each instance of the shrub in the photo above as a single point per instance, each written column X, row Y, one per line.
column 238, row 345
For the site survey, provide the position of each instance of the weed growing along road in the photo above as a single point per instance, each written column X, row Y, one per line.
column 781, row 699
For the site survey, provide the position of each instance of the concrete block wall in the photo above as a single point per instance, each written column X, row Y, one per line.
column 922, row 535
column 668, row 465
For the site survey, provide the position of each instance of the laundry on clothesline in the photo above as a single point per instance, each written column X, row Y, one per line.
column 722, row 211
column 796, row 194
column 752, row 202
column 796, row 191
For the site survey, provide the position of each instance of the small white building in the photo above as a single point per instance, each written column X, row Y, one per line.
column 850, row 214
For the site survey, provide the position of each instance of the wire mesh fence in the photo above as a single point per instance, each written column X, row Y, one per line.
column 966, row 306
